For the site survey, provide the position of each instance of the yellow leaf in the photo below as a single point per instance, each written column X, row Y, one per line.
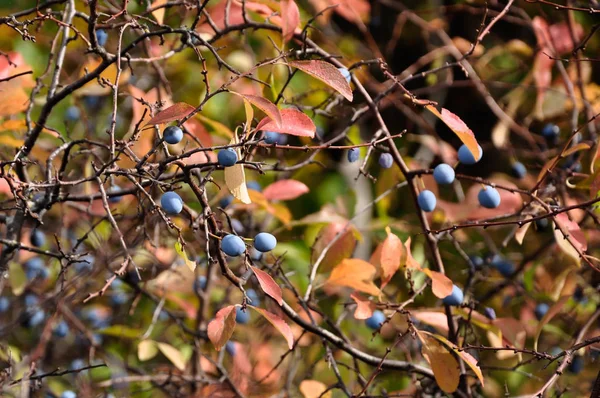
column 173, row 354
column 219, row 128
column 314, row 389
column 109, row 74
column 9, row 141
column 147, row 349
column 159, row 14
column 235, row 179
column 278, row 210
column 190, row 264
column 443, row 364
column 355, row 273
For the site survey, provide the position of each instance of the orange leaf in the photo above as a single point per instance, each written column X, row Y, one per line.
column 279, row 324
column 438, row 320
column 441, row 285
column 314, row 389
column 294, row 122
column 221, row 328
column 174, row 112
column 459, row 128
column 268, row 285
column 269, row 108
column 327, row 73
column 364, row 307
column 391, row 254
column 410, row 262
column 443, row 364
column 291, row 18
column 285, row 190
column 159, row 14
column 569, row 237
column 340, row 250
column 355, row 273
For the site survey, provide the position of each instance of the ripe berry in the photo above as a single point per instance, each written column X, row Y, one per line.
column 353, row 155
column 86, row 263
column 72, row 113
column 31, row 300
column 504, row 266
column 489, row 197
column 443, row 174
column 226, row 201
column 230, row 348
column 455, row 298
column 386, row 160
column 427, row 201
column 200, row 283
column 241, row 316
column 542, row 223
column 252, row 297
column 254, row 185
column 346, row 73
column 61, row 330
column 171, row 203
column 576, row 365
column 173, row 135
column 101, row 37
column 551, row 132
column 233, row 245
column 227, row 157
column 271, row 137
column 92, row 101
column 255, row 255
column 237, row 226
column 466, row 157
column 115, row 189
column 490, row 313
column 35, row 268
column 477, row 261
column 36, row 318
column 540, row 310
column 375, row 321
column 265, row 242
column 518, row 170
column 4, row 304
column 37, row 238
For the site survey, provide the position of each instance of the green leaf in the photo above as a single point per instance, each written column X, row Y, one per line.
column 181, row 252
column 17, row 278
column 121, row 331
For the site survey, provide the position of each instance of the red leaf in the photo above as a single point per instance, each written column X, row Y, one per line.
column 291, row 18
column 572, row 229
column 294, row 123
column 391, row 254
column 340, row 250
column 364, row 307
column 174, row 112
column 279, row 324
column 285, row 190
column 221, row 328
column 269, row 108
column 268, row 285
column 327, row 73
column 459, row 128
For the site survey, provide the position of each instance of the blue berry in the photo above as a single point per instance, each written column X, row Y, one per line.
column 254, row 185
column 61, row 329
column 4, row 304
column 466, row 157
column 271, row 137
column 375, row 321
column 253, row 297
column 34, row 268
column 504, row 266
column 37, row 238
column 227, row 157
column 200, row 283
column 386, row 160
column 518, row 170
column 540, row 310
column 489, row 197
column 346, row 73
column 542, row 224
column 427, row 201
column 264, row 242
column 241, row 316
column 490, row 313
column 237, row 226
column 353, row 155
column 36, row 318
column 255, row 255
column 576, row 365
column 443, row 174
column 171, row 203
column 455, row 298
column 477, row 261
column 233, row 245
column 72, row 113
column 86, row 263
column 173, row 135
column 91, row 101
column 115, row 189
column 550, row 131
column 230, row 348
column 31, row 300
column 226, row 201
column 101, row 37
column 119, row 298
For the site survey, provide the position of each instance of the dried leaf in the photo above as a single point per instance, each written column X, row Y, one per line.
column 294, row 123
column 285, row 190
column 569, row 237
column 521, row 231
column 221, row 328
column 391, row 255
column 314, row 389
column 268, row 285
column 189, row 263
column 173, row 354
column 174, row 112
column 364, row 307
column 459, row 128
column 235, row 179
column 147, row 349
column 327, row 73
column 443, row 364
column 291, row 18
column 355, row 273
column 279, row 324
